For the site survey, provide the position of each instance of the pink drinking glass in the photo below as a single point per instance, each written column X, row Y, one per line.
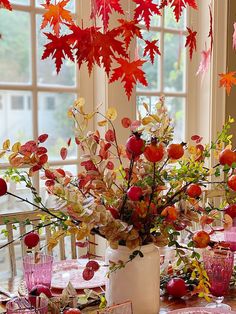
column 219, row 267
column 33, row 305
column 230, row 237
column 37, row 270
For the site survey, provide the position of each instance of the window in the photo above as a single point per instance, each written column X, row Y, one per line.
column 35, row 99
column 17, row 102
column 167, row 75
column 50, row 103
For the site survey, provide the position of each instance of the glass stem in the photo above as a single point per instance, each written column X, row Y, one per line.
column 219, row 300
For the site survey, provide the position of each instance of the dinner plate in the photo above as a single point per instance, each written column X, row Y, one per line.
column 201, row 310
column 71, row 270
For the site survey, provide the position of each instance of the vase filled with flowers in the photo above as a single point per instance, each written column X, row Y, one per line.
column 138, row 195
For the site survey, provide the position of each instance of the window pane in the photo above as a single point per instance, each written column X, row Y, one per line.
column 23, row 2
column 53, row 120
column 170, row 21
column 174, row 63
column 15, row 116
column 150, row 69
column 15, row 52
column 176, row 108
column 46, row 68
column 70, row 5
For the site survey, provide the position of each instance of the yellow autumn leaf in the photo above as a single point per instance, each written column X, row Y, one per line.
column 146, row 106
column 102, row 123
column 2, row 153
column 111, row 113
column 89, row 116
column 147, row 120
column 6, row 144
column 16, row 147
column 231, row 120
column 51, row 244
column 155, row 117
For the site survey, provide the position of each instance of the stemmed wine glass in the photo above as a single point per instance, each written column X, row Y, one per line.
column 218, row 264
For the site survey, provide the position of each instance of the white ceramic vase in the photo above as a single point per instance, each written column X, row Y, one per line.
column 138, row 282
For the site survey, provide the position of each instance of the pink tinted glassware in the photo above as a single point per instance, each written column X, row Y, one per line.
column 219, row 267
column 33, row 305
column 230, row 237
column 37, row 270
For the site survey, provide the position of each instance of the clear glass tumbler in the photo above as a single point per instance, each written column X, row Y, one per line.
column 219, row 267
column 31, row 305
column 37, row 270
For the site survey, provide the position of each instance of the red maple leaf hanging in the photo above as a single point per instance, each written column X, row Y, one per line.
column 228, row 80
column 128, row 30
column 129, row 73
column 145, row 10
column 59, row 48
column 151, row 49
column 85, row 44
column 109, row 46
column 5, row 4
column 191, row 41
column 178, row 6
column 55, row 15
column 104, row 8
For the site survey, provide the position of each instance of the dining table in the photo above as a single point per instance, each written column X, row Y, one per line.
column 167, row 303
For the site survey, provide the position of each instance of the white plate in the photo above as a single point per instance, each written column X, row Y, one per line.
column 200, row 310
column 71, row 270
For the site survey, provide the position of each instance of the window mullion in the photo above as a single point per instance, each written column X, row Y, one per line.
column 34, row 83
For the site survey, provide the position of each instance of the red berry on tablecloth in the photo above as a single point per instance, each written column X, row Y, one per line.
column 31, row 239
column 88, row 273
column 3, row 187
column 176, row 287
column 93, row 264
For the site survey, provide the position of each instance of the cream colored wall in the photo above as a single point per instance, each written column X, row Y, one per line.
column 231, row 66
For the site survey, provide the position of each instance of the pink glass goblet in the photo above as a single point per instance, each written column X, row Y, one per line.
column 230, row 237
column 219, row 267
column 37, row 270
column 31, row 305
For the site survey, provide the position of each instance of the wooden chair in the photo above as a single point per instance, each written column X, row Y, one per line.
column 14, row 225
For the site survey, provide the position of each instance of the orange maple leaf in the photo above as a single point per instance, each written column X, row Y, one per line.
column 228, row 80
column 55, row 15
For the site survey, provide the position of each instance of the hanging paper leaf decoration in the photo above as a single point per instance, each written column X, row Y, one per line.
column 145, row 10
column 228, row 80
column 234, row 37
column 128, row 30
column 210, row 35
column 163, row 4
column 205, row 61
column 59, row 48
column 98, row 48
column 5, row 4
column 179, row 5
column 130, row 73
column 109, row 46
column 82, row 41
column 191, row 41
column 55, row 15
column 151, row 49
column 104, row 8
